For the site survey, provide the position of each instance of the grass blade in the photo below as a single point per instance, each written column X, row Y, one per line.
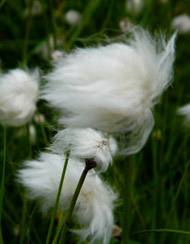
column 2, row 182
column 57, row 200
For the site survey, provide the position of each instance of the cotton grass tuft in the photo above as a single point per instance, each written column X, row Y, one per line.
column 113, row 88
column 85, row 144
column 18, row 96
column 94, row 207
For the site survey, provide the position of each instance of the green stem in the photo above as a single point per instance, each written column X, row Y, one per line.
column 29, row 141
column 46, row 25
column 161, row 230
column 65, row 220
column 57, row 199
column 88, row 13
column 25, row 200
column 2, row 181
column 175, row 198
column 140, row 217
column 23, row 219
column 178, row 191
column 127, row 202
column 42, row 128
column 2, row 3
column 53, row 24
column 26, row 228
column 26, row 38
column 157, row 189
column 1, row 237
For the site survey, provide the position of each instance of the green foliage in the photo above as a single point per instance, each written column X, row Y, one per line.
column 160, row 173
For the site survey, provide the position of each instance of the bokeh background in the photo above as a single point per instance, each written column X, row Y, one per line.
column 30, row 32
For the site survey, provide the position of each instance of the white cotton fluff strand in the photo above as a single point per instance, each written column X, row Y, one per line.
column 113, row 88
column 85, row 144
column 94, row 207
column 18, row 96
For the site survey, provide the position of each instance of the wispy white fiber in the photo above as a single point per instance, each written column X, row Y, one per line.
column 85, row 144
column 94, row 207
column 115, row 87
column 18, row 96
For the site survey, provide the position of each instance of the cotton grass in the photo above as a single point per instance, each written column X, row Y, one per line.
column 94, row 207
column 85, row 144
column 113, row 88
column 18, row 96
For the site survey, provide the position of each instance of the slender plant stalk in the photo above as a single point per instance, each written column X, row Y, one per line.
column 46, row 26
column 161, row 230
column 157, row 190
column 42, row 127
column 2, row 181
column 27, row 33
column 29, row 141
column 140, row 217
column 53, row 24
column 175, row 197
column 23, row 219
column 178, row 191
column 127, row 202
column 57, row 200
column 2, row 3
column 64, row 222
column 88, row 12
column 25, row 200
column 26, row 228
column 1, row 237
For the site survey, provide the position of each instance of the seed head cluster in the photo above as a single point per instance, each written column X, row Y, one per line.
column 100, row 93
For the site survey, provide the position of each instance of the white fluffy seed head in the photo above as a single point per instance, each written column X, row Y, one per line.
column 181, row 23
column 73, row 17
column 18, row 96
column 85, row 144
column 94, row 207
column 113, row 88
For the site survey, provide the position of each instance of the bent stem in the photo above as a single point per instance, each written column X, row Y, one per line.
column 66, row 219
column 127, row 202
column 2, row 181
column 57, row 199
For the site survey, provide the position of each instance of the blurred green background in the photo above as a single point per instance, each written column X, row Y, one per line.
column 29, row 32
